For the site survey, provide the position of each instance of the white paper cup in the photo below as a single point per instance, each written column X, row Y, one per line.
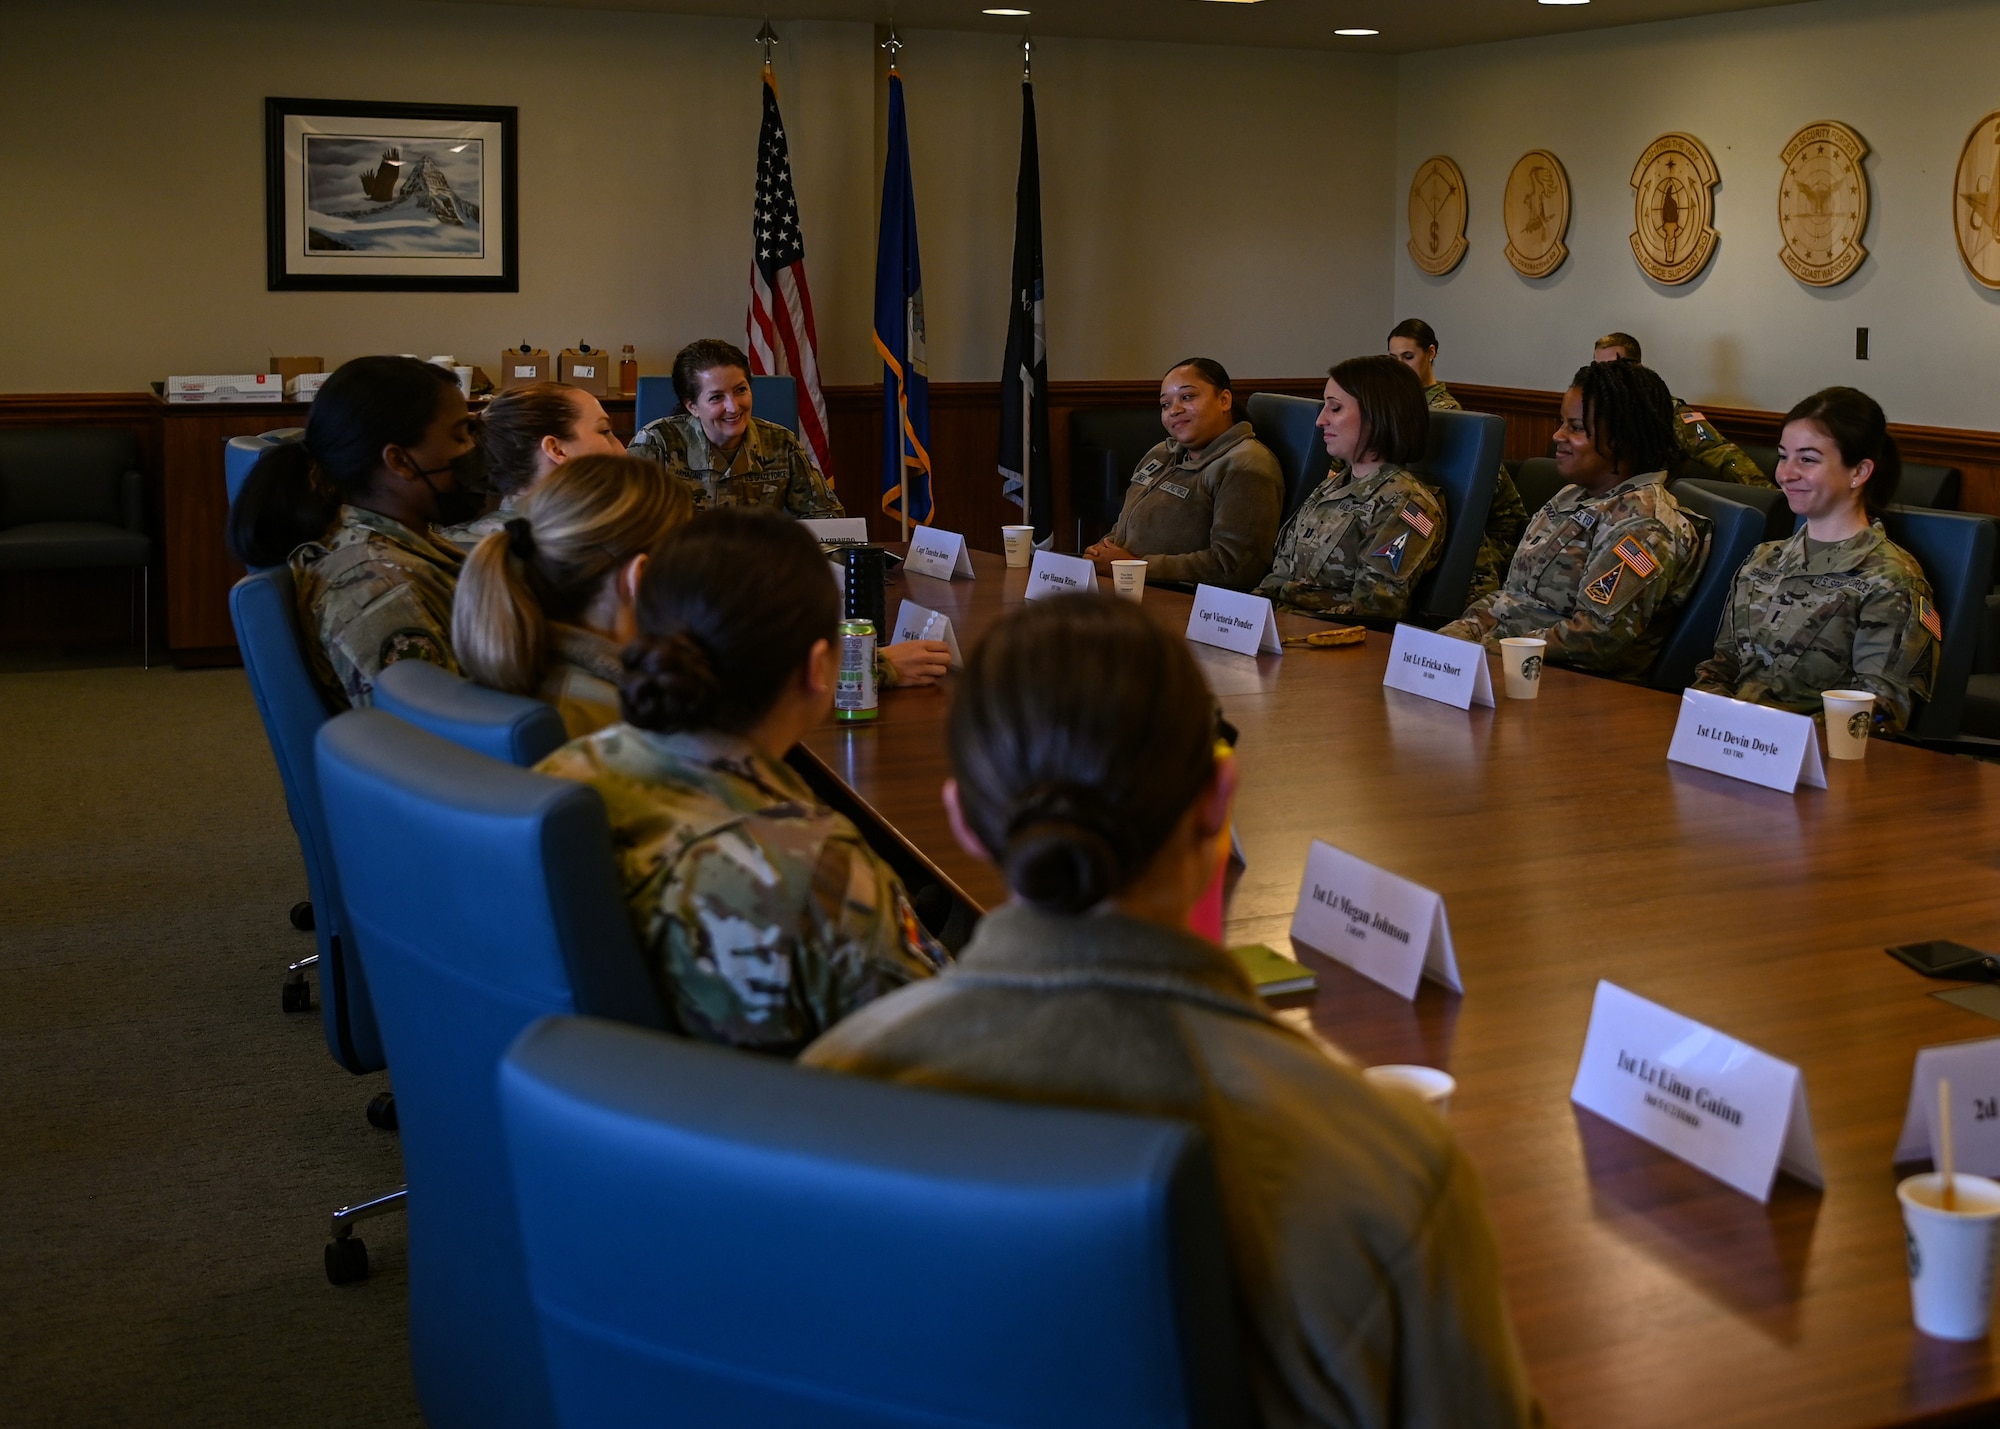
column 464, row 376
column 1849, row 714
column 1128, row 578
column 1521, row 665
column 1427, row 1084
column 1020, row 543
column 1951, row 1253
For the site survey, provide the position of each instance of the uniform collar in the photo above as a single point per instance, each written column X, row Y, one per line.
column 1018, row 940
column 1177, row 455
column 1571, row 496
column 590, row 652
column 701, row 453
column 1365, row 486
column 1840, row 556
column 727, row 766
column 390, row 529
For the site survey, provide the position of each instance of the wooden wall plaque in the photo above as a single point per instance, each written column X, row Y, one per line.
column 1823, row 204
column 1536, row 214
column 1975, row 202
column 1437, row 216
column 1673, row 208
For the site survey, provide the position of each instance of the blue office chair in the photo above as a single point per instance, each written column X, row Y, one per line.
column 511, row 728
column 1767, row 501
column 1735, row 531
column 1956, row 552
column 1288, row 426
column 717, row 1239
column 1462, row 460
column 481, row 897
column 655, row 399
column 774, row 399
column 239, row 454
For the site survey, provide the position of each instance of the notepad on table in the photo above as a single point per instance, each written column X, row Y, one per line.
column 1273, row 972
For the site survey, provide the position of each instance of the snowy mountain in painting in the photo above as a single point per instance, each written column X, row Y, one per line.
column 429, row 215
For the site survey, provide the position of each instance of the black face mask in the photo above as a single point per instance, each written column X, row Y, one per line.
column 467, row 498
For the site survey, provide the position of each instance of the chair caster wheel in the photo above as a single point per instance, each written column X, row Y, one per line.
column 382, row 1111
column 346, row 1260
column 297, row 996
column 302, row 915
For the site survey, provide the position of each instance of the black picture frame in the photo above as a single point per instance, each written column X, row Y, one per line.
column 401, row 239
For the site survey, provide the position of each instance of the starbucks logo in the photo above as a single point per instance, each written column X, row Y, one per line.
column 1857, row 725
column 1916, row 1255
column 1531, row 668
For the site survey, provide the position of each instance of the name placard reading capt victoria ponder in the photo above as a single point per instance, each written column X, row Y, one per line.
column 1234, row 620
column 1775, row 748
column 940, row 554
column 1386, row 928
column 1056, row 574
column 1718, row 1104
column 1452, row 672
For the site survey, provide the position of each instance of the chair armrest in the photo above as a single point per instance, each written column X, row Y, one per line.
column 132, row 501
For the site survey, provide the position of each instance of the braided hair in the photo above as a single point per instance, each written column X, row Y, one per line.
column 1628, row 413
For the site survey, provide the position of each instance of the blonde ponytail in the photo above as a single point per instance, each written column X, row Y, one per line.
column 498, row 628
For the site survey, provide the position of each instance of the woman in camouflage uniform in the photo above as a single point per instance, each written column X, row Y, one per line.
column 1357, row 546
column 765, row 917
column 1839, row 605
column 526, row 433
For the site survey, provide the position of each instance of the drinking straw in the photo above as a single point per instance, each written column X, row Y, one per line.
column 1949, row 1201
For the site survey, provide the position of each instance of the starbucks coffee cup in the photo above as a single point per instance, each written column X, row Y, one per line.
column 1849, row 715
column 1951, row 1253
column 1128, row 578
column 1020, row 544
column 1427, row 1084
column 1521, row 665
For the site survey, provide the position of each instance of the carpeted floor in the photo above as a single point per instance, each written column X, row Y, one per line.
column 173, row 1142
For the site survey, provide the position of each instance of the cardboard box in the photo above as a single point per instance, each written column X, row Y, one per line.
column 247, row 387
column 306, row 385
column 522, row 366
column 589, row 368
column 290, row 367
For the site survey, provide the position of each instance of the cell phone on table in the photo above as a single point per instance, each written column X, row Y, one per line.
column 1942, row 958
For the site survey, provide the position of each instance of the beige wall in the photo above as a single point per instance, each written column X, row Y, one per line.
column 1912, row 77
column 1176, row 216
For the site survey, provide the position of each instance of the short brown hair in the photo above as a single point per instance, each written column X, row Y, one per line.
column 1624, row 342
column 704, row 355
column 1395, row 419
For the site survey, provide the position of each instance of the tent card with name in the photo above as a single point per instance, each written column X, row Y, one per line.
column 1452, row 672
column 1718, row 1104
column 838, row 530
column 1775, row 748
column 1973, row 1068
column 1234, row 620
column 1056, row 574
column 938, row 553
column 916, row 622
column 1386, row 928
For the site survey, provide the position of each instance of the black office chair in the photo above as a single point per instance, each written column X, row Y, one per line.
column 1735, row 531
column 1289, row 426
column 1461, row 460
column 1768, row 501
column 1933, row 487
column 73, row 498
column 1105, row 445
column 1956, row 552
column 1537, row 481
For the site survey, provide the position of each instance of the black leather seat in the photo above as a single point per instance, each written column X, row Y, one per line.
column 1105, row 445
column 73, row 498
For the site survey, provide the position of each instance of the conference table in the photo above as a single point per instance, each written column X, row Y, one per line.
column 1567, row 850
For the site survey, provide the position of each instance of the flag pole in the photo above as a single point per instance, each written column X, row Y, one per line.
column 1027, row 375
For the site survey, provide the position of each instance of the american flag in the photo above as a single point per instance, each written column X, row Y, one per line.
column 1634, row 555
column 1417, row 521
column 783, row 341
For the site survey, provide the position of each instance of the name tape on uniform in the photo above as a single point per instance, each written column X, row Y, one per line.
column 1234, row 620
column 1775, row 748
column 1452, row 672
column 1057, row 574
column 837, row 530
column 1718, row 1104
column 940, row 554
column 918, row 622
column 1974, row 1071
column 1388, row 929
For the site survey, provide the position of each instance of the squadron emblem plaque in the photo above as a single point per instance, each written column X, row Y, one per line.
column 1823, row 204
column 1537, row 214
column 1673, row 208
column 1975, row 203
column 1437, row 216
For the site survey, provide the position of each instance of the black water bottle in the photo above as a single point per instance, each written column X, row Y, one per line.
column 866, row 568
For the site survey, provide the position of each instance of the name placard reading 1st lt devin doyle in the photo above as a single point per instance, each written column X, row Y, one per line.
column 1452, row 672
column 1057, row 574
column 1388, row 929
column 1775, row 748
column 1234, row 621
column 940, row 554
column 1974, row 1071
column 1718, row 1104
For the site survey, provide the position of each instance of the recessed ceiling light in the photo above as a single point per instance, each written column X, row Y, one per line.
column 1004, row 12
column 1357, row 32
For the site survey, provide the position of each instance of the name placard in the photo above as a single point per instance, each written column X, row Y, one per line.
column 1055, row 574
column 917, row 622
column 1973, row 1069
column 1775, row 748
column 1718, row 1104
column 837, row 530
column 1234, row 620
column 938, row 553
column 1388, row 929
column 1452, row 672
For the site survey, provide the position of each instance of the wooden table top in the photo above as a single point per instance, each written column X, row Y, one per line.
column 1568, row 849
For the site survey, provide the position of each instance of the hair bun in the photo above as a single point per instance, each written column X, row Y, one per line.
column 670, row 684
column 1060, row 856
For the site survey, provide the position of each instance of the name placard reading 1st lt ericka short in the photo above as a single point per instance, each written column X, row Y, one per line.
column 1716, row 1103
column 1055, row 574
column 940, row 554
column 1234, row 620
column 1452, row 672
column 1386, row 928
column 917, row 622
column 1775, row 748
column 1974, row 1071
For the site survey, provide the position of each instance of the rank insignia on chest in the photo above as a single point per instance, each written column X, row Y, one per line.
column 1927, row 617
column 1392, row 552
column 1634, row 555
column 1147, row 470
column 1605, row 586
column 1417, row 521
column 1585, row 519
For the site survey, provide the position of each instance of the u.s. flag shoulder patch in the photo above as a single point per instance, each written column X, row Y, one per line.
column 1927, row 617
column 1605, row 586
column 1416, row 520
column 1635, row 555
column 1692, row 417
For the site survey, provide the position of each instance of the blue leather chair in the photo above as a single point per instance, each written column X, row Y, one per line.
column 1956, row 552
column 774, row 399
column 481, row 897
column 511, row 728
column 716, row 1239
column 1735, row 531
column 239, row 454
column 1767, row 501
column 1462, row 460
column 1289, row 427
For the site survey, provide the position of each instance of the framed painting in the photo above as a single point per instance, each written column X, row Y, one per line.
column 369, row 197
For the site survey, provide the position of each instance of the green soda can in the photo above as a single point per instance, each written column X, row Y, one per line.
column 854, row 694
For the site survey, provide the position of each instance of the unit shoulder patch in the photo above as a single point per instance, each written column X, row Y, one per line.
column 1605, row 586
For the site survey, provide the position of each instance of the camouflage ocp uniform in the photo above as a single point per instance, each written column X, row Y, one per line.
column 1855, row 614
column 467, row 534
column 373, row 592
column 1706, row 453
column 1357, row 545
column 764, row 916
column 771, row 467
column 1505, row 518
column 1593, row 577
